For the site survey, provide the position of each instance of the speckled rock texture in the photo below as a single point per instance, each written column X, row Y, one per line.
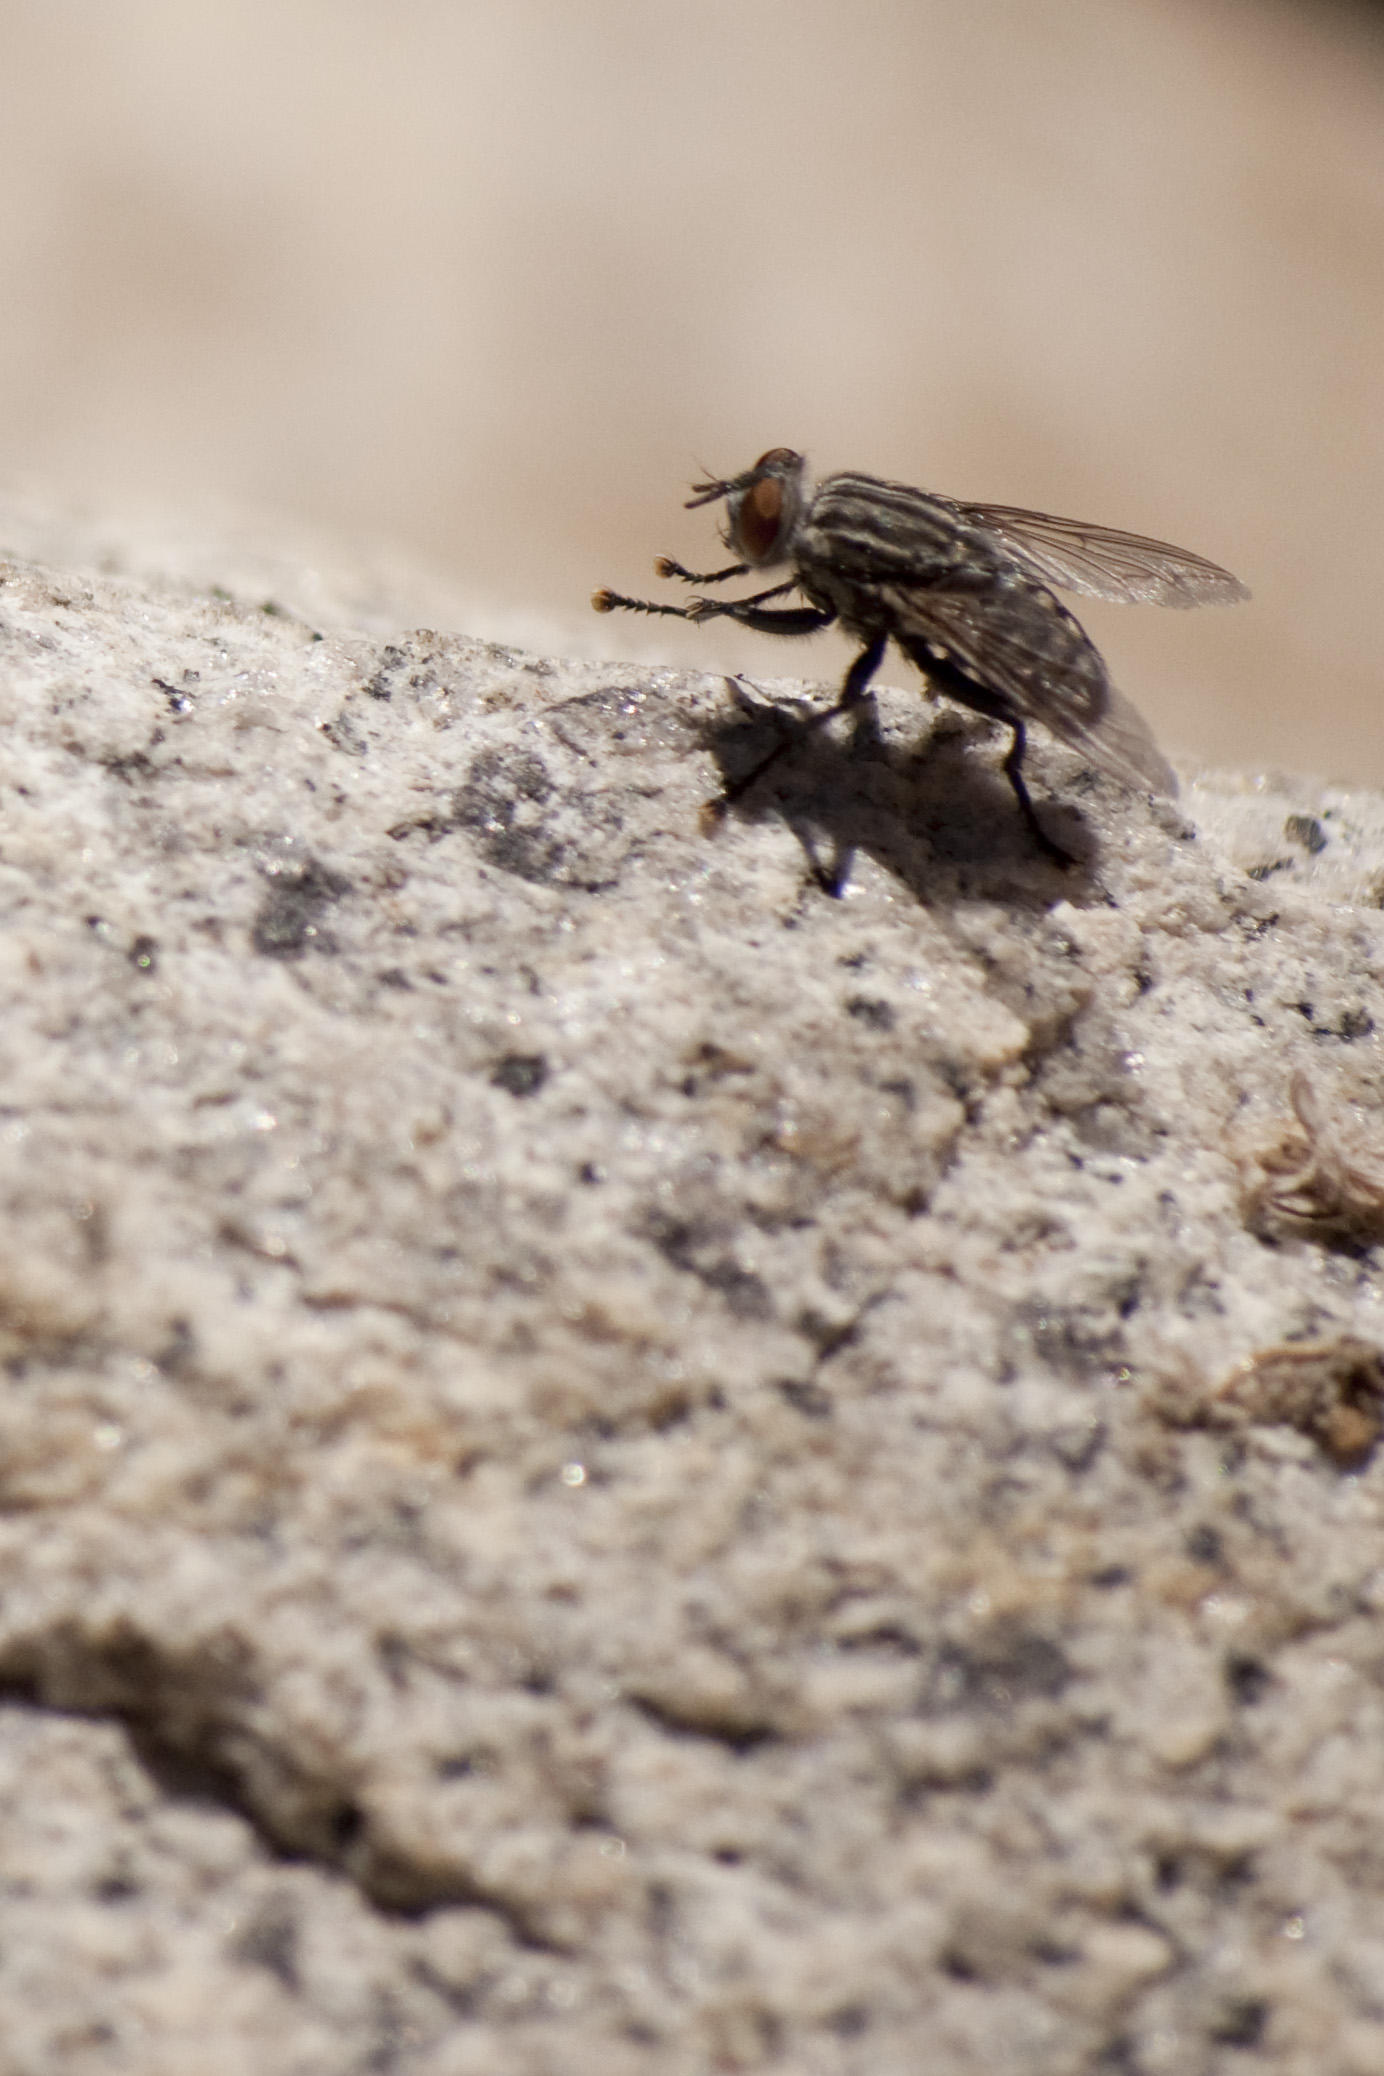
column 609, row 1463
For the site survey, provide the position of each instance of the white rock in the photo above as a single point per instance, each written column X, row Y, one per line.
column 404, row 1102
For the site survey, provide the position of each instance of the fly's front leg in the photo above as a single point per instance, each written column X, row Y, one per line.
column 748, row 612
column 664, row 566
column 606, row 601
column 802, row 620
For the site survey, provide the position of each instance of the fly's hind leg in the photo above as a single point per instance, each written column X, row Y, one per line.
column 948, row 677
column 1013, row 771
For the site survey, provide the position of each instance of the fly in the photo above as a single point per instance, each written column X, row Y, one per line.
column 964, row 590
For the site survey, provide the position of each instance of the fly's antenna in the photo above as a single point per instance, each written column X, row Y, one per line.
column 707, row 493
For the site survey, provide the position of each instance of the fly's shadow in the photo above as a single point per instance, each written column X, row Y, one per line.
column 924, row 809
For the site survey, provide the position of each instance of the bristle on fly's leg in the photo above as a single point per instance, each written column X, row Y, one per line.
column 605, row 601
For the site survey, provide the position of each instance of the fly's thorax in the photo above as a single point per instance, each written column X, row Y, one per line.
column 859, row 608
column 764, row 508
column 891, row 533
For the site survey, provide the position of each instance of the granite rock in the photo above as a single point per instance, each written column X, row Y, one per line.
column 609, row 1462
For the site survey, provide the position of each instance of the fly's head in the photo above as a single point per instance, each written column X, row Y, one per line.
column 762, row 507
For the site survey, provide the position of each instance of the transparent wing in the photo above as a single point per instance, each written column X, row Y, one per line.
column 1121, row 743
column 1101, row 562
column 1024, row 648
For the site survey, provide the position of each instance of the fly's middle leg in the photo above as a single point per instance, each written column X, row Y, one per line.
column 855, row 690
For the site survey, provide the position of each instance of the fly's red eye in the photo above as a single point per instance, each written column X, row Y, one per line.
column 757, row 523
column 766, row 499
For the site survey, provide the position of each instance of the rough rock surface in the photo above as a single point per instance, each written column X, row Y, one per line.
column 609, row 1463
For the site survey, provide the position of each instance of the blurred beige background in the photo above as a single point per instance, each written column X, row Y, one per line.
column 492, row 281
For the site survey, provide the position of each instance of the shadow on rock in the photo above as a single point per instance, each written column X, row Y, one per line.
column 938, row 814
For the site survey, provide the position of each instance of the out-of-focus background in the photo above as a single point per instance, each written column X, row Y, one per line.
column 492, row 281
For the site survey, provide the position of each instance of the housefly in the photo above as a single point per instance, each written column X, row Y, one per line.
column 964, row 590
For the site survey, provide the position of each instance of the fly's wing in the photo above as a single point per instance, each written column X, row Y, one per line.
column 1101, row 562
column 1122, row 744
column 1020, row 645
